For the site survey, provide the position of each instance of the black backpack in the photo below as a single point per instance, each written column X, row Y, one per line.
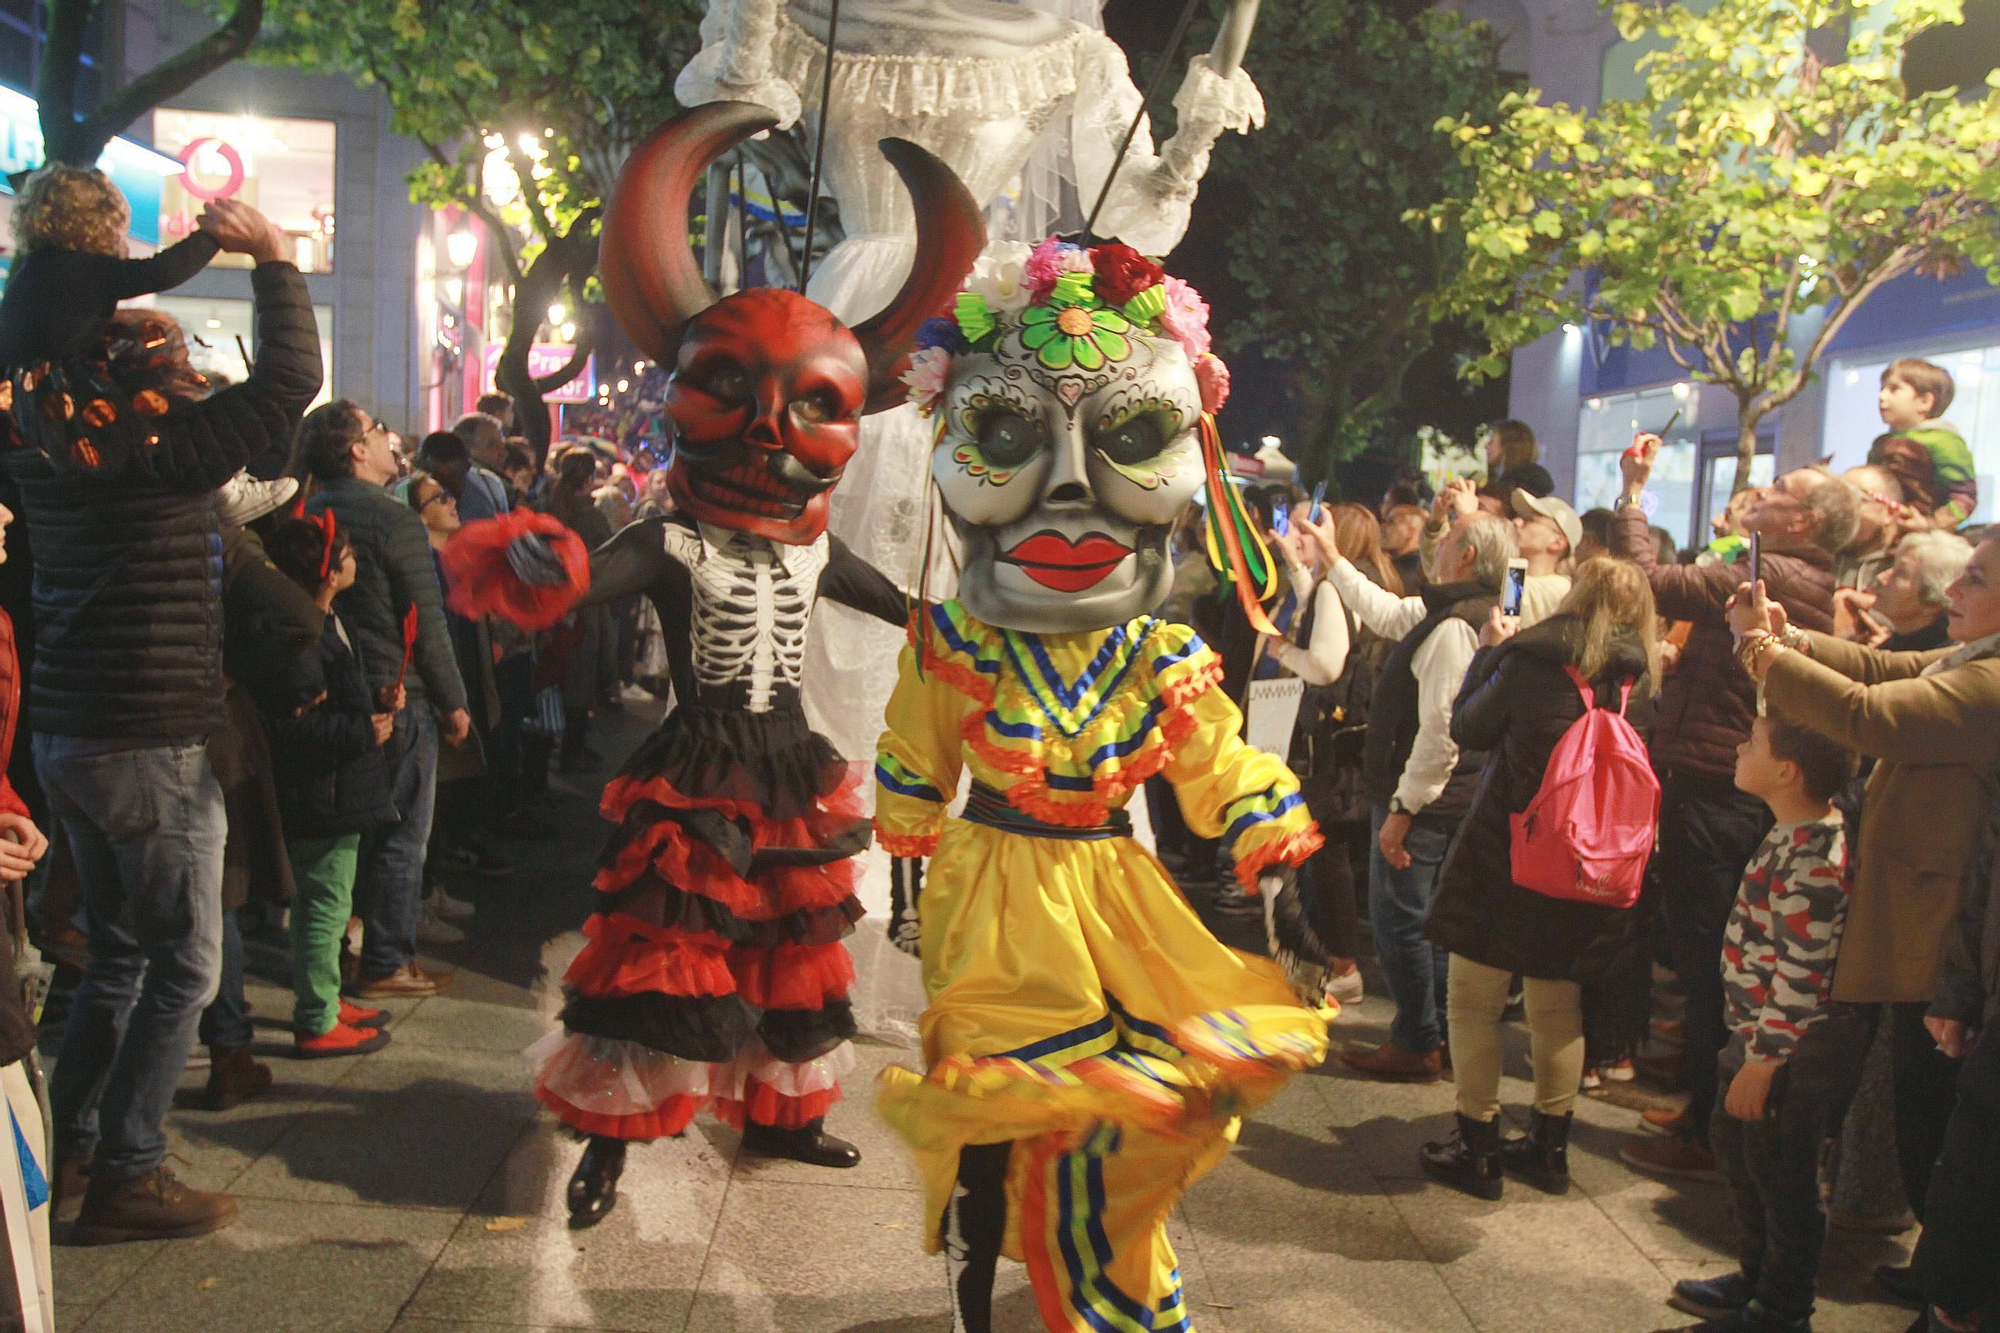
column 1332, row 732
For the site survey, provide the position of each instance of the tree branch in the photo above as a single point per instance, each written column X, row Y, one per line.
column 55, row 81
column 168, row 79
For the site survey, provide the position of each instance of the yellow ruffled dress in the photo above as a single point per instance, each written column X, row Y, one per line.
column 1078, row 1007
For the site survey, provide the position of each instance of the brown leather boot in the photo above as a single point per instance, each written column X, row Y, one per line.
column 1393, row 1064
column 155, row 1206
column 233, row 1077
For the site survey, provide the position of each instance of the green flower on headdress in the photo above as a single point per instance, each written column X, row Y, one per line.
column 1062, row 336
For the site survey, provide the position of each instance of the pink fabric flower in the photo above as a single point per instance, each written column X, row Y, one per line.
column 1049, row 261
column 929, row 369
column 1186, row 318
column 1211, row 375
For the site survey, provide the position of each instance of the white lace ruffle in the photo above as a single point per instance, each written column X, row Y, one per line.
column 1207, row 105
column 624, row 1078
column 734, row 63
column 930, row 85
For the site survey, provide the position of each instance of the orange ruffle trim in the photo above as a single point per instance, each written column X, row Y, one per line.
column 905, row 844
column 1292, row 849
column 627, row 956
column 1031, row 794
column 764, row 1105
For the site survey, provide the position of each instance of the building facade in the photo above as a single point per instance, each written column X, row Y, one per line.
column 1585, row 399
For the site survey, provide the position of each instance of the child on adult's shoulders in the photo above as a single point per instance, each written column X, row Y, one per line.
column 1924, row 452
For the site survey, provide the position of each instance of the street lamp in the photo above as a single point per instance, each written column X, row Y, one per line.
column 461, row 246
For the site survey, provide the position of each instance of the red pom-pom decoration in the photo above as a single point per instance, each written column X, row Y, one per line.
column 1122, row 273
column 479, row 582
column 1211, row 375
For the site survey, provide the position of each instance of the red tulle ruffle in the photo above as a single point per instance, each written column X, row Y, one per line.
column 765, row 1105
column 627, row 956
column 671, row 1117
column 692, row 866
column 479, row 582
column 793, row 976
column 843, row 806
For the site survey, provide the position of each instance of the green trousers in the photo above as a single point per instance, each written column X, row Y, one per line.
column 323, row 869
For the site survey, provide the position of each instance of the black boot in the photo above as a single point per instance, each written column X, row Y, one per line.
column 1542, row 1158
column 810, row 1143
column 593, row 1190
column 1469, row 1160
column 980, row 1217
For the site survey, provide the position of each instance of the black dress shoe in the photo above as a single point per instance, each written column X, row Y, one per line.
column 1900, row 1282
column 593, row 1190
column 810, row 1143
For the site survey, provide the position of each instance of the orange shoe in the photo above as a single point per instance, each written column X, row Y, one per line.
column 340, row 1039
column 357, row 1017
column 1393, row 1064
column 1676, row 1159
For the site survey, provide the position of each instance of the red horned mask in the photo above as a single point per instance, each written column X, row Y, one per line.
column 768, row 388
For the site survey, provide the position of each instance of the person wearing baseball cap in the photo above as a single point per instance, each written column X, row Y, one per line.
column 1550, row 531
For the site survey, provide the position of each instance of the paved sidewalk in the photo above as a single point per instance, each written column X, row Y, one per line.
column 420, row 1190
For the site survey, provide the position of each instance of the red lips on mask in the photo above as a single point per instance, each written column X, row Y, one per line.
column 1054, row 561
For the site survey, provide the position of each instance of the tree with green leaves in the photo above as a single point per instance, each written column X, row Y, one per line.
column 78, row 138
column 1776, row 173
column 526, row 115
column 1331, row 270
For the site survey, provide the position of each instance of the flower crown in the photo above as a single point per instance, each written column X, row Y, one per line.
column 1074, row 307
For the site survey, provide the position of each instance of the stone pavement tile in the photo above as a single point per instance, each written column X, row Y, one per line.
column 1680, row 1220
column 418, row 1324
column 1385, row 1123
column 463, row 1020
column 635, row 1270
column 886, row 1162
column 1295, row 1137
column 86, row 1276
column 217, row 1147
column 1535, row 1264
column 414, row 1126
column 283, row 1267
column 789, row 1258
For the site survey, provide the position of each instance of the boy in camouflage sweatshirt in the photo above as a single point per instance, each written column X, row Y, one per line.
column 1923, row 451
column 1785, row 1080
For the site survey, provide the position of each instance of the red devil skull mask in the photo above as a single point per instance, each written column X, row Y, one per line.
column 766, row 401
column 768, row 388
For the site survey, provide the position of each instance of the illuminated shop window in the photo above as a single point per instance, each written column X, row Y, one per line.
column 282, row 167
column 1605, row 427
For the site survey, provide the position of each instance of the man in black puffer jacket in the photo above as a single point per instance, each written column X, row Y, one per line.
column 127, row 685
column 348, row 453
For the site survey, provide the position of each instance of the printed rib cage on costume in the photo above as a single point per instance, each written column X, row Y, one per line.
column 753, row 601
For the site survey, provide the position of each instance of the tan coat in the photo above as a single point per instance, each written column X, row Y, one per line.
column 1934, row 737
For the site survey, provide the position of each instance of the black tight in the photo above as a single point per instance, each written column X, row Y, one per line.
column 982, row 1224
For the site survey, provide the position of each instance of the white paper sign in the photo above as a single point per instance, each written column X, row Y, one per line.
column 1274, row 714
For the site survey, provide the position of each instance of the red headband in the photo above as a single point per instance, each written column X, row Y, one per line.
column 325, row 520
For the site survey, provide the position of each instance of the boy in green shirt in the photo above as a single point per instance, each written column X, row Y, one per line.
column 1923, row 451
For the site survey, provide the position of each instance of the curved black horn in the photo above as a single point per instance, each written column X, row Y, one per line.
column 652, row 280
column 950, row 234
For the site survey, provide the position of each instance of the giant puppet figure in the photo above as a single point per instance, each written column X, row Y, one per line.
column 987, row 87
column 1090, row 1046
column 714, row 975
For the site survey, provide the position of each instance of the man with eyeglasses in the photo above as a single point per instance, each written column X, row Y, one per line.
column 350, row 455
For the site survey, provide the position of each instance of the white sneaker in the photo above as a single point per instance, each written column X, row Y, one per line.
column 1347, row 989
column 433, row 929
column 243, row 499
column 635, row 694
column 446, row 907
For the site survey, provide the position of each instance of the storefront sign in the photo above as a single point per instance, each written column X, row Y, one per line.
column 136, row 170
column 547, row 359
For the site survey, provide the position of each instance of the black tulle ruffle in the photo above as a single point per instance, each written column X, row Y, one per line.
column 652, row 899
column 773, row 760
column 711, row 1029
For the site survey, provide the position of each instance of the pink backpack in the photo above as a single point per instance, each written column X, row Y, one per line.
column 1589, row 831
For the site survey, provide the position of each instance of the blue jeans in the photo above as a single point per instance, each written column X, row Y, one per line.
column 146, row 824
column 1399, row 901
column 389, row 881
column 225, row 1024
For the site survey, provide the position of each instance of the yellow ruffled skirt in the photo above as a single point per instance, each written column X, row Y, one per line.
column 1081, row 1011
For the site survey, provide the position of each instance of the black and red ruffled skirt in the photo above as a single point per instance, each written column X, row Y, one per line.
column 714, row 974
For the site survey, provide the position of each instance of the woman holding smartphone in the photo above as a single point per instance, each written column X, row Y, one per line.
column 1517, row 701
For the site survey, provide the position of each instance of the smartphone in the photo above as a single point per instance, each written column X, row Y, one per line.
column 1515, row 589
column 1281, row 520
column 1319, row 502
column 1756, row 558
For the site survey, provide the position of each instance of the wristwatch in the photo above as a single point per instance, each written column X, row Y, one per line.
column 1396, row 807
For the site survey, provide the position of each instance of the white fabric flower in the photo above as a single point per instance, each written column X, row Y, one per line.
column 1001, row 276
column 929, row 369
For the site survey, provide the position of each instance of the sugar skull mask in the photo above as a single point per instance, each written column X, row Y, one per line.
column 768, row 388
column 1070, row 435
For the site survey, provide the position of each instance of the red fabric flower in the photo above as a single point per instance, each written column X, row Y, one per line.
column 478, row 581
column 1122, row 273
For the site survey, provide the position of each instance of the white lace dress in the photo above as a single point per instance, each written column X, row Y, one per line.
column 985, row 116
